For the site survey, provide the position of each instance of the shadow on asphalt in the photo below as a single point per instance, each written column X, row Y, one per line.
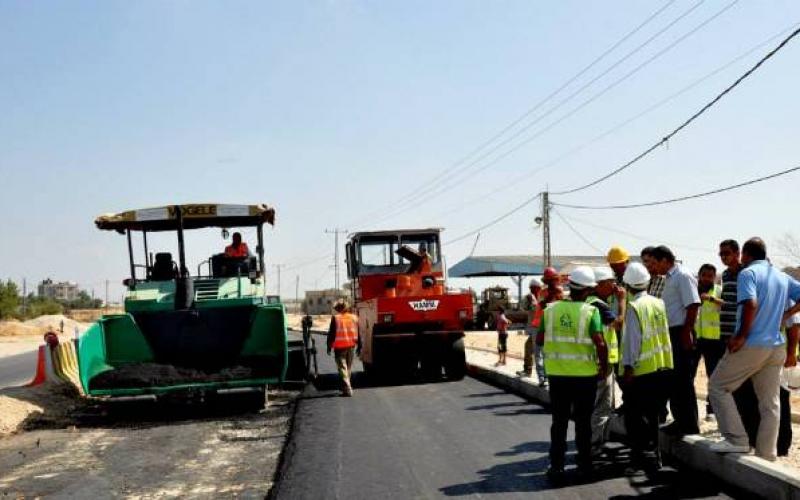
column 528, row 476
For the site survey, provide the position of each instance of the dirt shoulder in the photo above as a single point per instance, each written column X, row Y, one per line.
column 149, row 451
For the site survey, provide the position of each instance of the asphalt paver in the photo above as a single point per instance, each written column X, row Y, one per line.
column 444, row 439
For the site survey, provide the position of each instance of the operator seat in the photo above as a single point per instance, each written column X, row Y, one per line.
column 164, row 269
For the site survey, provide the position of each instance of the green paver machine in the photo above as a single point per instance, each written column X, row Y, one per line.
column 211, row 333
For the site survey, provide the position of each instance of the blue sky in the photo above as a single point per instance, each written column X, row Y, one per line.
column 333, row 111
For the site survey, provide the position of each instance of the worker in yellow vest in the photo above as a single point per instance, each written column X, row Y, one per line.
column 706, row 327
column 644, row 368
column 604, row 398
column 575, row 356
column 344, row 340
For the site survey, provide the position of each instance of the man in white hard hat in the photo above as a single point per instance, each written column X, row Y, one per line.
column 531, row 306
column 644, row 369
column 604, row 399
column 575, row 355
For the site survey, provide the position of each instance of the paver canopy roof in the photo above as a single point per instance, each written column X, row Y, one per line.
column 194, row 216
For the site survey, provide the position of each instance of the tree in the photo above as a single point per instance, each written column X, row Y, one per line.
column 9, row 299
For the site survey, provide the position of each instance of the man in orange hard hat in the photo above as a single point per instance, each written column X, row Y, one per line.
column 344, row 340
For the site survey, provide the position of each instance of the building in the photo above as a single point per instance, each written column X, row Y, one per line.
column 322, row 301
column 64, row 291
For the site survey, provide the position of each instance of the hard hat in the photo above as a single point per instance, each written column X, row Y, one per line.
column 603, row 273
column 636, row 275
column 582, row 276
column 536, row 282
column 617, row 255
column 550, row 274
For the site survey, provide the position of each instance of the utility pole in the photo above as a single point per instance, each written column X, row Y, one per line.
column 106, row 302
column 24, row 296
column 336, row 232
column 297, row 289
column 547, row 256
column 278, row 267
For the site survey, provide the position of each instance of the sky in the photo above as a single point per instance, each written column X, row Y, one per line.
column 366, row 115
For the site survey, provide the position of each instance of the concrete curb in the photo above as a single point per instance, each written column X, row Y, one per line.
column 746, row 472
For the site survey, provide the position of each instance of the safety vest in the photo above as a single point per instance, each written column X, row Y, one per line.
column 609, row 334
column 656, row 348
column 707, row 323
column 346, row 331
column 240, row 251
column 568, row 347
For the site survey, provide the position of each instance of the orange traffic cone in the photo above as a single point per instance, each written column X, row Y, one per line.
column 40, row 376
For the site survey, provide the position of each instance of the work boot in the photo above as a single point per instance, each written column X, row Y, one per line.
column 555, row 474
column 523, row 374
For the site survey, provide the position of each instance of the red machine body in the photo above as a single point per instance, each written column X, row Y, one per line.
column 407, row 317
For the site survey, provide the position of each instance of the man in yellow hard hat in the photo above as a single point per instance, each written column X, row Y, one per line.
column 618, row 259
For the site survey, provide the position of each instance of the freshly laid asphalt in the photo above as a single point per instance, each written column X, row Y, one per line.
column 17, row 369
column 438, row 440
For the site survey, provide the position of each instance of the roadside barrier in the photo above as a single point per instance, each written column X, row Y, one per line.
column 41, row 371
column 65, row 364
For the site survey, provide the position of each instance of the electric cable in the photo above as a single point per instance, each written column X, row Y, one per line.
column 495, row 220
column 578, row 233
column 438, row 190
column 422, row 189
column 686, row 123
column 681, row 198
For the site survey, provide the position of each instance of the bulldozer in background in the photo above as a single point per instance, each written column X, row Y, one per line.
column 492, row 299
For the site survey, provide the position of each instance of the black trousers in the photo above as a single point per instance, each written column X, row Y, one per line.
column 575, row 396
column 644, row 398
column 682, row 396
column 747, row 403
column 711, row 351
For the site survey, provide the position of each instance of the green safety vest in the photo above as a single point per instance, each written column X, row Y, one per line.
column 568, row 348
column 707, row 323
column 656, row 348
column 609, row 334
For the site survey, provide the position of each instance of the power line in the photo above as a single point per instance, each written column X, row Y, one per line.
column 682, row 198
column 438, row 190
column 424, row 189
column 578, row 233
column 633, row 235
column 686, row 123
column 495, row 220
column 514, row 182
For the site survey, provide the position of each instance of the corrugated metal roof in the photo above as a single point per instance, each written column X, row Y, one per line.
column 516, row 265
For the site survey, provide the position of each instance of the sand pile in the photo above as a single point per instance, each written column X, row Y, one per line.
column 41, row 325
column 50, row 405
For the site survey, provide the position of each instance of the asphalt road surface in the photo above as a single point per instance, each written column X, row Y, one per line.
column 439, row 440
column 17, row 369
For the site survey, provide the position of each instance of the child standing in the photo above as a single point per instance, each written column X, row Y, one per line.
column 502, row 336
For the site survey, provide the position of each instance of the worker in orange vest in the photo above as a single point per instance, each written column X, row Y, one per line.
column 344, row 340
column 237, row 249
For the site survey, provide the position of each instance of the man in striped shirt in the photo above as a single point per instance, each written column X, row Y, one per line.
column 729, row 255
column 656, row 286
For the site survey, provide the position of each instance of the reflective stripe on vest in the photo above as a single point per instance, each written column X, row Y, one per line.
column 707, row 323
column 656, row 348
column 609, row 335
column 568, row 347
column 346, row 331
